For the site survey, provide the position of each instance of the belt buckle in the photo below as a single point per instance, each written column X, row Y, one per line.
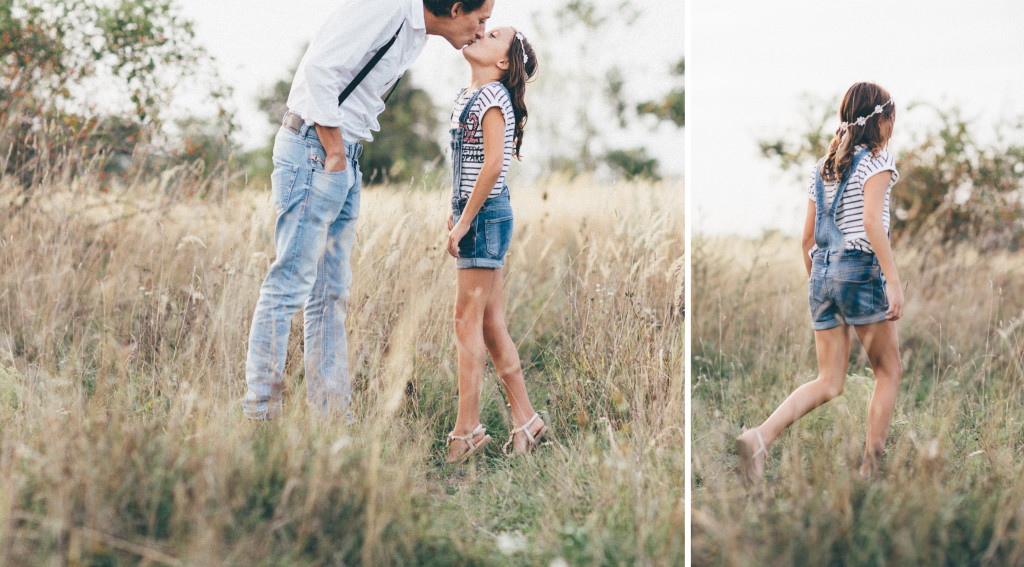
column 289, row 120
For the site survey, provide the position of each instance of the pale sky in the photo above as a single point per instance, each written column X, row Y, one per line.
column 257, row 42
column 751, row 62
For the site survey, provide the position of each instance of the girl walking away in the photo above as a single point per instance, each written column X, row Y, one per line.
column 487, row 131
column 853, row 277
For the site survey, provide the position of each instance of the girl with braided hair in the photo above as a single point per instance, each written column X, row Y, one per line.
column 487, row 131
column 852, row 273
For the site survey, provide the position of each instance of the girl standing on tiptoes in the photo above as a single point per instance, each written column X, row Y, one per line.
column 853, row 277
column 487, row 131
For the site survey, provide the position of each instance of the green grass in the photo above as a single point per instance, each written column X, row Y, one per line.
column 123, row 326
column 949, row 493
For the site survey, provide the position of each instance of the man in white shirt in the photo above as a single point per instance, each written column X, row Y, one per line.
column 359, row 53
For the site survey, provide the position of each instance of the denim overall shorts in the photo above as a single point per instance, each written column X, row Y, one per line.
column 490, row 234
column 846, row 286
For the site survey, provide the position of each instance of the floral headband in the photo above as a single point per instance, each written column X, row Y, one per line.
column 519, row 36
column 845, row 126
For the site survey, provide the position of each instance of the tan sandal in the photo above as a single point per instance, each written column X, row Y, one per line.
column 472, row 447
column 747, row 455
column 532, row 439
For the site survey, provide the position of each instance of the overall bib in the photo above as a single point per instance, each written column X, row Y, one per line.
column 490, row 234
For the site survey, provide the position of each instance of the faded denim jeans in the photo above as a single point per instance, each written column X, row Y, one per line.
column 316, row 216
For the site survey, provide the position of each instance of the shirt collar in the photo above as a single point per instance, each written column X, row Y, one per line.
column 416, row 15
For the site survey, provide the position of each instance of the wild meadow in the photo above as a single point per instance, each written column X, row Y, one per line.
column 950, row 489
column 124, row 316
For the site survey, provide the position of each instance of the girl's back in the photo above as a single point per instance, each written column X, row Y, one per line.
column 850, row 211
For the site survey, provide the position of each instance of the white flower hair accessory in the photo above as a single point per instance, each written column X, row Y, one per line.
column 860, row 121
column 519, row 36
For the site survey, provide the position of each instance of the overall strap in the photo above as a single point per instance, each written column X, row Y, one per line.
column 369, row 67
column 457, row 97
column 469, row 105
column 857, row 156
column 819, row 187
column 819, row 184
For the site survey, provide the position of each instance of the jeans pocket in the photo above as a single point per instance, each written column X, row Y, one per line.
column 498, row 234
column 327, row 194
column 282, row 184
column 859, row 292
column 332, row 185
column 816, row 292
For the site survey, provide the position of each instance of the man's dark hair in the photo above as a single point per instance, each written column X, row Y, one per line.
column 444, row 7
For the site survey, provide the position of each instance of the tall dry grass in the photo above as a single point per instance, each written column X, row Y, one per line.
column 950, row 492
column 123, row 325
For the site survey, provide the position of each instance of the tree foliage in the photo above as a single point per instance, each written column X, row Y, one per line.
column 591, row 149
column 952, row 185
column 634, row 164
column 672, row 106
column 405, row 147
column 58, row 57
column 588, row 14
column 138, row 47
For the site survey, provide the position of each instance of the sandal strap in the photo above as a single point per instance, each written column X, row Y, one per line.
column 760, row 440
column 468, row 438
column 523, row 428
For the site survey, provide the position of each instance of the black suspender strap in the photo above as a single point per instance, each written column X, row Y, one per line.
column 369, row 67
column 391, row 91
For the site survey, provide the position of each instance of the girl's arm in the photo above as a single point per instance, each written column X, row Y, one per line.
column 807, row 240
column 875, row 190
column 494, row 157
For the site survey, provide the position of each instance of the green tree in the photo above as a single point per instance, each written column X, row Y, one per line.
column 584, row 144
column 633, row 163
column 135, row 51
column 671, row 107
column 405, row 147
column 952, row 186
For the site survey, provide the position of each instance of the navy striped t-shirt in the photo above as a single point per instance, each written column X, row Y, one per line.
column 491, row 95
column 850, row 212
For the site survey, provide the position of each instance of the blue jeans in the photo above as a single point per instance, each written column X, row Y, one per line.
column 846, row 288
column 316, row 216
column 489, row 236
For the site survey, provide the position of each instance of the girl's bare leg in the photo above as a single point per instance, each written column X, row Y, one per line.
column 506, row 361
column 833, row 349
column 881, row 341
column 471, row 295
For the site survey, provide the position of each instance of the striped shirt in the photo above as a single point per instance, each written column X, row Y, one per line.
column 850, row 212
column 491, row 95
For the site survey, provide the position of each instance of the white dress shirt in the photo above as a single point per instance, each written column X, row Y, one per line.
column 350, row 36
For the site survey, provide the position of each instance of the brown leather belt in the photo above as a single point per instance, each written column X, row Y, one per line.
column 292, row 121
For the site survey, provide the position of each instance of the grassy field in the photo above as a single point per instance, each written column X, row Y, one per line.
column 124, row 317
column 950, row 492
